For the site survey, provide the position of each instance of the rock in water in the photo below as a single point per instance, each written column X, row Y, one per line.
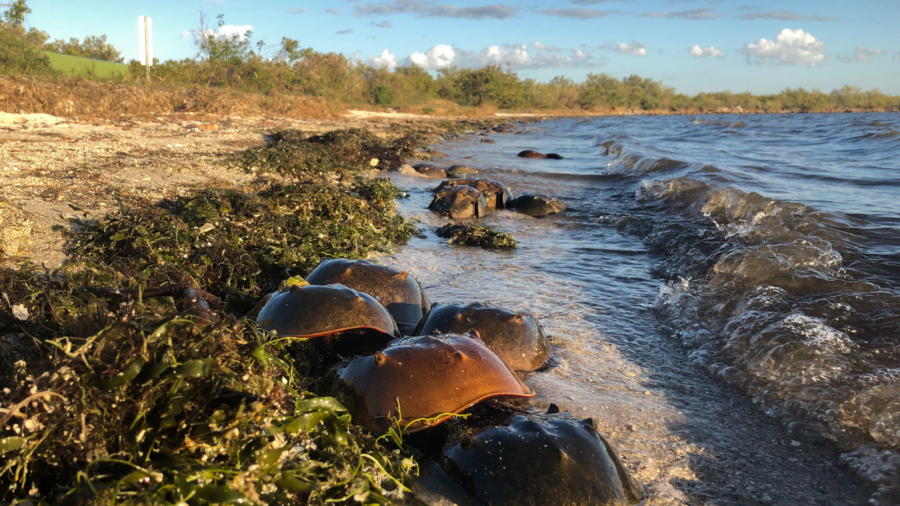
column 460, row 202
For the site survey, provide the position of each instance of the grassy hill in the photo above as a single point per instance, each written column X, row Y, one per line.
column 86, row 67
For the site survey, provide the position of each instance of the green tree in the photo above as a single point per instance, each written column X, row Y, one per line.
column 92, row 47
column 15, row 15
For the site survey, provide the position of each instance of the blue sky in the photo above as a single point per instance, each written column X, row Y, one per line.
column 693, row 45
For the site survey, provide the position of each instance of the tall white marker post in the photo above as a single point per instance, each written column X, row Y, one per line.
column 145, row 42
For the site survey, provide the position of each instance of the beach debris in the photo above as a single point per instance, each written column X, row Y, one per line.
column 542, row 459
column 398, row 291
column 478, row 236
column 460, row 202
column 536, row 205
column 517, row 338
column 422, row 381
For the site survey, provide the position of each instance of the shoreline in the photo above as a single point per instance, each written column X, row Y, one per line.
column 90, row 166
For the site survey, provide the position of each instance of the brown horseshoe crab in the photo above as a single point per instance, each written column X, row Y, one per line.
column 430, row 377
column 460, row 202
column 397, row 291
column 428, row 170
column 496, row 195
column 542, row 459
column 333, row 310
column 517, row 338
column 536, row 205
column 460, row 171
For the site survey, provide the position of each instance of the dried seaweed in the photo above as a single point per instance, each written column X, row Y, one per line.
column 478, row 236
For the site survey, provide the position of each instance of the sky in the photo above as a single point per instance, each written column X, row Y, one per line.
column 692, row 45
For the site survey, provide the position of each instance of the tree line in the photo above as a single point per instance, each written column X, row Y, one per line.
column 237, row 63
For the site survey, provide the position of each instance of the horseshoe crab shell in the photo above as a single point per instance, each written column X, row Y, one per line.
column 542, row 459
column 517, row 338
column 397, row 291
column 428, row 170
column 430, row 377
column 496, row 195
column 460, row 202
column 311, row 311
column 536, row 205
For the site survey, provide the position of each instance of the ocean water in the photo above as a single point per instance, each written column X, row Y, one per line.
column 760, row 252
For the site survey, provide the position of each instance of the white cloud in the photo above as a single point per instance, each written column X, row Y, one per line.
column 386, row 60
column 635, row 48
column 790, row 47
column 332, row 10
column 437, row 57
column 897, row 56
column 233, row 32
column 860, row 54
column 345, row 32
column 297, row 10
column 517, row 56
column 703, row 52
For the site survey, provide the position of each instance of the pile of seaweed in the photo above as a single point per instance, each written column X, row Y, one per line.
column 128, row 375
column 477, row 235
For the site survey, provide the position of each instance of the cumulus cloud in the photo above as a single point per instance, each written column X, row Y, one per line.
column 383, row 24
column 578, row 13
column 345, row 32
column 332, row 10
column 860, row 54
column 790, row 47
column 297, row 10
column 427, row 9
column 517, row 56
column 783, row 16
column 634, row 49
column 703, row 52
column 702, row 14
column 386, row 60
column 897, row 56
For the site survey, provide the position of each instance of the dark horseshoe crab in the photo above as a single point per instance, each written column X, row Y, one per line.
column 528, row 153
column 353, row 318
column 536, row 205
column 430, row 377
column 460, row 202
column 517, row 338
column 397, row 291
column 460, row 171
column 429, row 170
column 542, row 459
column 496, row 195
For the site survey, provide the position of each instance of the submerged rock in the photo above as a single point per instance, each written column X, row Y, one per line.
column 496, row 195
column 528, row 153
column 428, row 170
column 460, row 171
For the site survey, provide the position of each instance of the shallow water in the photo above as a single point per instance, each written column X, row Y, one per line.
column 703, row 261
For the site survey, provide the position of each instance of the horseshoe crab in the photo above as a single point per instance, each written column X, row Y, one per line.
column 397, row 291
column 460, row 171
column 528, row 153
column 496, row 195
column 536, row 205
column 431, row 378
column 517, row 339
column 542, row 459
column 313, row 311
column 460, row 202
column 428, row 170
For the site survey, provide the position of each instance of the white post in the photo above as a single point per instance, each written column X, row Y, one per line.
column 145, row 43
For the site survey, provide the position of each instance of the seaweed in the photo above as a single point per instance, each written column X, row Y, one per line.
column 239, row 246
column 128, row 376
column 172, row 408
column 294, row 153
column 477, row 235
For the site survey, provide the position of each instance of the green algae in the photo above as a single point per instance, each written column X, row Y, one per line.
column 132, row 379
column 477, row 236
